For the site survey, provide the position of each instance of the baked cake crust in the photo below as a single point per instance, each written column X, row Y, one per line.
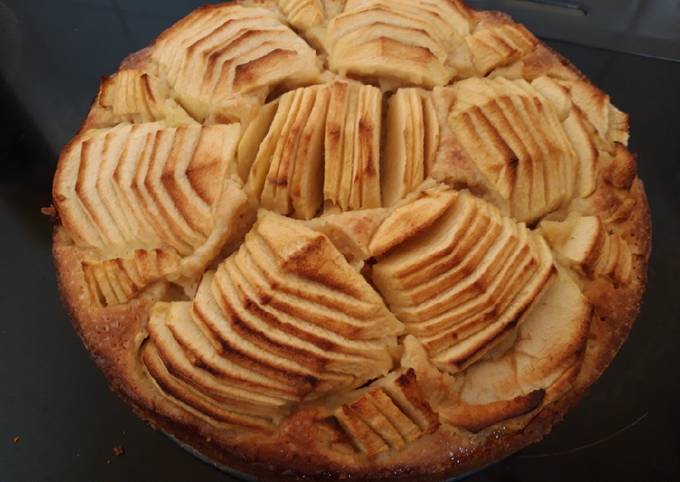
column 320, row 436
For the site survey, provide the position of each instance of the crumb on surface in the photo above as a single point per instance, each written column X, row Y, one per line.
column 49, row 211
column 118, row 450
column 16, row 439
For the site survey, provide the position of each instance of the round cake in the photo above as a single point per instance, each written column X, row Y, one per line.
column 361, row 238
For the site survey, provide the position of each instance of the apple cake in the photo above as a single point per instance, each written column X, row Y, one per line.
column 360, row 238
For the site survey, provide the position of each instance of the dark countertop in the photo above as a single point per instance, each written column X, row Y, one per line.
column 53, row 397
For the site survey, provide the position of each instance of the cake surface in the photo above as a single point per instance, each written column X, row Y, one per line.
column 360, row 238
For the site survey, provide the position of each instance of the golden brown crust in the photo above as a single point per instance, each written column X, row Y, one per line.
column 445, row 456
column 310, row 441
